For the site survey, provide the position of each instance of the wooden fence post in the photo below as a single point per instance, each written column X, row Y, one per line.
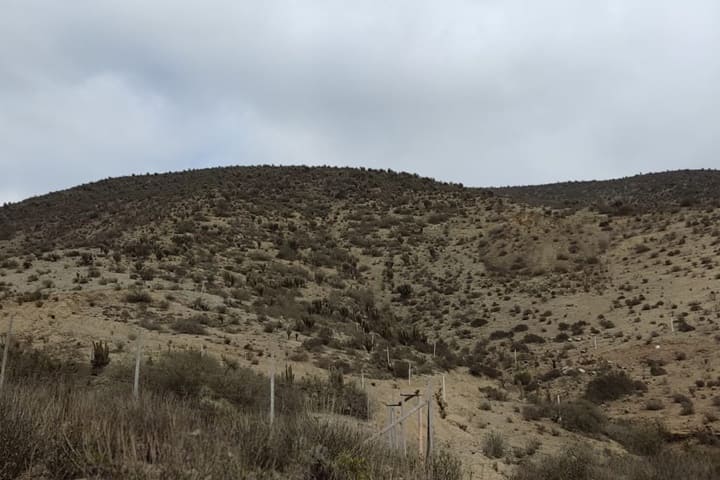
column 390, row 425
column 406, row 397
column 444, row 394
column 8, row 339
column 367, row 397
column 402, row 428
column 559, row 410
column 272, row 394
column 429, row 450
column 136, row 383
column 419, row 426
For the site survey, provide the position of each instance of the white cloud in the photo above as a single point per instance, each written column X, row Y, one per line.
column 482, row 92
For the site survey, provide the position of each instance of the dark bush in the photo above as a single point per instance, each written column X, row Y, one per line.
column 138, row 296
column 579, row 462
column 189, row 326
column 522, row 378
column 499, row 334
column 574, row 463
column 496, row 394
column 401, row 368
column 481, row 368
column 612, row 385
column 533, row 338
column 550, row 375
column 335, row 395
column 581, row 416
column 313, row 344
column 640, row 438
column 494, row 445
column 193, row 375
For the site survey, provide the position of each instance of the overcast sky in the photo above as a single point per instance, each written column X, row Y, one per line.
column 483, row 92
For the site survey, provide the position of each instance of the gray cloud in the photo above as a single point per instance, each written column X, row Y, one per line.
column 481, row 92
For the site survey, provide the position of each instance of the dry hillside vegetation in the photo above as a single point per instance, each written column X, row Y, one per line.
column 519, row 296
column 653, row 192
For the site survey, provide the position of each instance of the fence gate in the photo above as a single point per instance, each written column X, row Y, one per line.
column 395, row 429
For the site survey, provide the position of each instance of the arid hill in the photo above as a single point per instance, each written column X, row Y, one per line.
column 601, row 294
column 654, row 192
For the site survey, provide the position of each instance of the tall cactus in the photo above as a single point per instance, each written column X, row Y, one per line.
column 100, row 356
column 289, row 376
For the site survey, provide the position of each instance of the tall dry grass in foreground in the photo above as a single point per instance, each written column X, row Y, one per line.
column 181, row 429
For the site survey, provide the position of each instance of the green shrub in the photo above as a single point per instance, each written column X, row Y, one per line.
column 405, row 290
column 533, row 338
column 479, row 367
column 640, row 438
column 401, row 368
column 496, row 394
column 189, row 326
column 581, row 416
column 687, row 408
column 539, row 411
column 28, row 364
column 29, row 297
column 522, row 378
column 193, row 375
column 575, row 463
column 314, row 344
column 444, row 465
column 612, row 385
column 138, row 296
column 335, row 395
column 494, row 445
column 579, row 462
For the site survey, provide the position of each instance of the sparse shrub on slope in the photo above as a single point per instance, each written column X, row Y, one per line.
column 189, row 326
column 494, row 445
column 192, row 375
column 138, row 296
column 580, row 462
column 612, row 385
column 575, row 463
column 640, row 438
column 342, row 398
column 581, row 416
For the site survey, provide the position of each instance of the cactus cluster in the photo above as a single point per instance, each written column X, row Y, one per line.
column 100, row 355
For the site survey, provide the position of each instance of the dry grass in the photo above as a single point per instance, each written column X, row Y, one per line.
column 69, row 430
column 580, row 462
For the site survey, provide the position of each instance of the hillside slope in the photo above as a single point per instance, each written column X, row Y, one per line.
column 659, row 192
column 330, row 268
